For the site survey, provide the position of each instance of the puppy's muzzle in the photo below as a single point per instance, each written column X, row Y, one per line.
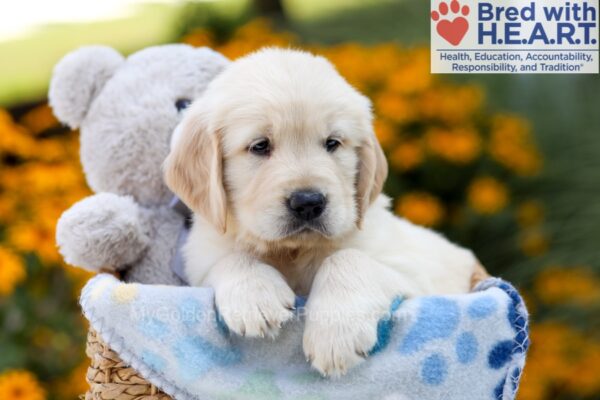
column 306, row 205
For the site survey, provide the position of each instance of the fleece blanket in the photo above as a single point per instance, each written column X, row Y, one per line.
column 468, row 347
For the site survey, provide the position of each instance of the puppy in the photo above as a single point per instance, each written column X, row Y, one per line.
column 280, row 164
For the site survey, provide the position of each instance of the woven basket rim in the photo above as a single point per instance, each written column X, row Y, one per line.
column 110, row 378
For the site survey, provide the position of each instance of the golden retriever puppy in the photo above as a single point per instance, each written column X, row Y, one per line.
column 280, row 164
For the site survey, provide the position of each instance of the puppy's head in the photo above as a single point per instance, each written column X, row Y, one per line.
column 280, row 146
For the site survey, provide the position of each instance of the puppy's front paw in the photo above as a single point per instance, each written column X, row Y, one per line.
column 336, row 341
column 350, row 294
column 255, row 304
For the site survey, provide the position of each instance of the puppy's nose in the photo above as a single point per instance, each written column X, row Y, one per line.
column 306, row 204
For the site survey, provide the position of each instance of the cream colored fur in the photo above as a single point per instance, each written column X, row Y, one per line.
column 354, row 263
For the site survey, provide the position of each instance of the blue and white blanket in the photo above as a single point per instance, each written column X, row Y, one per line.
column 467, row 347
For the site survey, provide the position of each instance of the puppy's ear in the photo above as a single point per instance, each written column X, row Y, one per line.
column 194, row 169
column 372, row 172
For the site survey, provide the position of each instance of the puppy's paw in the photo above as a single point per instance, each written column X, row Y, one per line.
column 335, row 343
column 350, row 294
column 257, row 304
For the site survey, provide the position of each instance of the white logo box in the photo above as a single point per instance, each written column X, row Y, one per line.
column 495, row 36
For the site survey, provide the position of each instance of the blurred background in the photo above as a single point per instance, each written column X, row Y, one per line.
column 506, row 165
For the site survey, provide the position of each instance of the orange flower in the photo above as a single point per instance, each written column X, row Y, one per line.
column 452, row 105
column 487, row 196
column 459, row 146
column 385, row 133
column 413, row 76
column 511, row 145
column 20, row 385
column 8, row 205
column 30, row 237
column 39, row 119
column 199, row 38
column 421, row 208
column 407, row 155
column 388, row 56
column 394, row 107
column 14, row 139
column 352, row 60
column 12, row 272
column 577, row 285
column 252, row 36
column 561, row 360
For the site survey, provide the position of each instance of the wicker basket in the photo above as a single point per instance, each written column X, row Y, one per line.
column 111, row 379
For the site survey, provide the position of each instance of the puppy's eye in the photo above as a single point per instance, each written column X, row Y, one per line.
column 332, row 144
column 261, row 147
column 182, row 104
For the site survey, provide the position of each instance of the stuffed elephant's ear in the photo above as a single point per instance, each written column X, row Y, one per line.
column 78, row 78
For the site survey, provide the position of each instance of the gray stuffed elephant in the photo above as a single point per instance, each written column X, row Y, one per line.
column 126, row 110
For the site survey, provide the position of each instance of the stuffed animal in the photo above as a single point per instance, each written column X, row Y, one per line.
column 126, row 110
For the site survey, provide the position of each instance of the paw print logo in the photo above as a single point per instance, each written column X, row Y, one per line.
column 453, row 30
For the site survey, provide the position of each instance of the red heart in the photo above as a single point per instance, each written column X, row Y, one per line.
column 453, row 31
